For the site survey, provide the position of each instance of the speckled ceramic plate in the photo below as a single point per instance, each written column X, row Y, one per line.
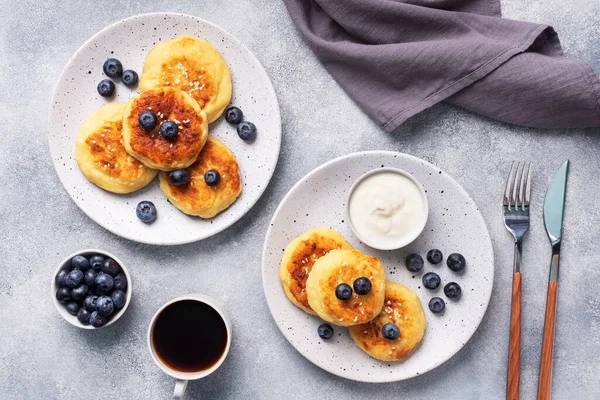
column 75, row 98
column 454, row 225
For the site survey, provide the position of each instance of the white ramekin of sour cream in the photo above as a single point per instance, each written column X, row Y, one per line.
column 387, row 208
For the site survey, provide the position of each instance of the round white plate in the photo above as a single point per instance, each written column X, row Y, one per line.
column 454, row 225
column 76, row 97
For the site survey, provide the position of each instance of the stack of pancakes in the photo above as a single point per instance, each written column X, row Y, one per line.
column 318, row 260
column 184, row 80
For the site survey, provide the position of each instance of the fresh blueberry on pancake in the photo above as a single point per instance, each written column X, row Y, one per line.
column 169, row 130
column 112, row 68
column 343, row 291
column 212, row 177
column 362, row 285
column 234, row 115
column 129, row 78
column 390, row 331
column 247, row 131
column 179, row 177
column 148, row 120
column 106, row 88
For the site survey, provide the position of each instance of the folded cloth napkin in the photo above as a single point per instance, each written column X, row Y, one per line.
column 396, row 58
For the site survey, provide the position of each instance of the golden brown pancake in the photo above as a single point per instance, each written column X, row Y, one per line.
column 150, row 147
column 196, row 197
column 194, row 66
column 299, row 257
column 345, row 266
column 401, row 307
column 101, row 156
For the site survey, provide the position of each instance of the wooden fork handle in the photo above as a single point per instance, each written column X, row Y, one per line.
column 514, row 352
column 545, row 384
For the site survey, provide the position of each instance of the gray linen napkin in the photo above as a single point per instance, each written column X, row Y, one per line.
column 396, row 58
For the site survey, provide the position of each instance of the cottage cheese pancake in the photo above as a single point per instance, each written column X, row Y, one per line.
column 101, row 156
column 194, row 66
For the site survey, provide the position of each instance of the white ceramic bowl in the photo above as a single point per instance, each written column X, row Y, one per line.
column 402, row 242
column 72, row 319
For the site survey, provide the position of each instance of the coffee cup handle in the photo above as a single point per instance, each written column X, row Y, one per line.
column 180, row 386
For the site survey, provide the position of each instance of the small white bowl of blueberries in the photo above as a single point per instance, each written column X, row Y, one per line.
column 91, row 289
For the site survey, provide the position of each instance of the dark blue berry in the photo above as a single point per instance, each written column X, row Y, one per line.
column 325, row 331
column 148, row 120
column 119, row 298
column 90, row 277
column 343, row 291
column 435, row 256
column 169, row 130
column 212, row 177
column 436, row 305
column 104, row 283
column 90, row 302
column 80, row 262
column 105, row 305
column 129, row 78
column 179, row 177
column 246, row 131
column 74, row 278
column 234, row 115
column 96, row 262
column 452, row 290
column 97, row 320
column 120, row 282
column 110, row 267
column 456, row 262
column 106, row 88
column 431, row 280
column 79, row 292
column 63, row 295
column 72, row 308
column 362, row 285
column 414, row 263
column 390, row 331
column 61, row 277
column 146, row 211
column 83, row 316
column 112, row 68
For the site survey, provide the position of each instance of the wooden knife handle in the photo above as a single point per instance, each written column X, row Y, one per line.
column 545, row 384
column 514, row 352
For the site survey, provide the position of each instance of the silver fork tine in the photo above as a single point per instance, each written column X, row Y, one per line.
column 509, row 183
column 521, row 200
column 513, row 199
column 528, row 186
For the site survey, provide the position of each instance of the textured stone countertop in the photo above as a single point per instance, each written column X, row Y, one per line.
column 43, row 357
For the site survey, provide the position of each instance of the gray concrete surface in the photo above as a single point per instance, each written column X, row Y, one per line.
column 42, row 357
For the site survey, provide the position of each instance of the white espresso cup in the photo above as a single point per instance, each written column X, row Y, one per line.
column 183, row 377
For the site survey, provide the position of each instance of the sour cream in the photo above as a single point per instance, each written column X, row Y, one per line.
column 387, row 208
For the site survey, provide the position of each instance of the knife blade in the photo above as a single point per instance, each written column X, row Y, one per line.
column 554, row 204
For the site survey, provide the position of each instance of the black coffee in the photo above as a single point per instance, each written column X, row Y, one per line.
column 189, row 336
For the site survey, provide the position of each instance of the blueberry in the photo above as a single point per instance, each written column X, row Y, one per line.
column 414, row 263
column 120, row 282
column 96, row 262
column 106, row 88
column 104, row 283
column 74, row 278
column 63, row 295
column 169, row 130
column 343, row 291
column 212, row 177
column 97, row 320
column 112, row 68
column 234, row 115
column 129, row 78
column 61, row 277
column 146, row 211
column 90, row 302
column 362, row 285
column 72, row 308
column 148, row 120
column 456, row 262
column 431, row 280
column 435, row 256
column 179, row 177
column 390, row 331
column 436, row 305
column 90, row 277
column 119, row 299
column 246, row 131
column 110, row 267
column 80, row 262
column 325, row 331
column 79, row 292
column 452, row 290
column 83, row 316
column 105, row 306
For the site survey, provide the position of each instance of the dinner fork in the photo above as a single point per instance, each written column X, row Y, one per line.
column 515, row 206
